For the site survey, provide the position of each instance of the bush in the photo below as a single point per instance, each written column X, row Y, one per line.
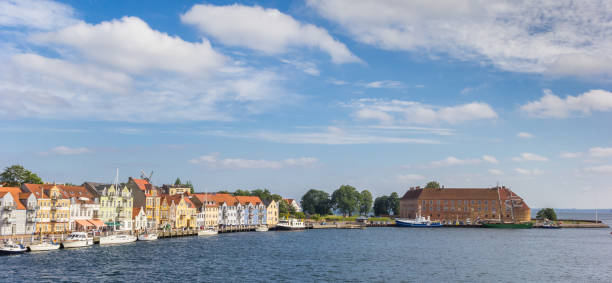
column 547, row 213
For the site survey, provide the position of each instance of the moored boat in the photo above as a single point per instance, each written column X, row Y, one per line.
column 77, row 240
column 210, row 231
column 291, row 224
column 9, row 248
column 117, row 239
column 418, row 222
column 43, row 246
column 147, row 237
column 261, row 228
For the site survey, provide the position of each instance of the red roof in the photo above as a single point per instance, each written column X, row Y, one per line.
column 135, row 212
column 141, row 183
column 227, row 198
column 248, row 199
column 80, row 193
column 15, row 194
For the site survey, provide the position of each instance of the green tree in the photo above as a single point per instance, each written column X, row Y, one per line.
column 547, row 213
column 190, row 185
column 285, row 208
column 242, row 193
column 365, row 202
column 300, row 215
column 346, row 199
column 224, row 192
column 262, row 194
column 432, row 185
column 316, row 202
column 16, row 175
column 381, row 206
column 394, row 203
column 178, row 181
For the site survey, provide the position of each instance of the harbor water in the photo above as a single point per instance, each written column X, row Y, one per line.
column 373, row 255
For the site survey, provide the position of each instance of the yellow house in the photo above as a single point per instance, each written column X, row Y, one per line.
column 211, row 214
column 152, row 201
column 116, row 207
column 53, row 213
column 165, row 220
column 271, row 212
column 182, row 211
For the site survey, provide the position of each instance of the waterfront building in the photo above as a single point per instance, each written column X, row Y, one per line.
column 175, row 189
column 84, row 207
column 253, row 210
column 294, row 203
column 271, row 212
column 149, row 196
column 53, row 213
column 182, row 211
column 208, row 215
column 451, row 205
column 164, row 211
column 17, row 211
column 229, row 209
column 116, row 205
column 140, row 219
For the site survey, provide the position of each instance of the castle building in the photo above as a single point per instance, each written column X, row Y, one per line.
column 450, row 205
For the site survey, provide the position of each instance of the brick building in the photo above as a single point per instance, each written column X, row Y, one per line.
column 450, row 205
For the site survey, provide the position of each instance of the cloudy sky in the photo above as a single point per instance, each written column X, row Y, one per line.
column 382, row 95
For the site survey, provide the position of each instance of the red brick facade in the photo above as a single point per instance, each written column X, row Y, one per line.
column 452, row 205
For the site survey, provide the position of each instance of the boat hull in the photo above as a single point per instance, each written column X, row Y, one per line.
column 149, row 237
column 12, row 251
column 261, row 229
column 77, row 244
column 289, row 228
column 527, row 225
column 400, row 223
column 207, row 233
column 43, row 247
column 114, row 240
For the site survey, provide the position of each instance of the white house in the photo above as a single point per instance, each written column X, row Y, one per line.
column 230, row 210
column 140, row 219
column 14, row 212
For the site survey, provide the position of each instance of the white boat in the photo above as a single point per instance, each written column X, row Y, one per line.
column 77, row 240
column 291, row 224
column 117, row 239
column 147, row 237
column 9, row 248
column 261, row 228
column 208, row 232
column 43, row 246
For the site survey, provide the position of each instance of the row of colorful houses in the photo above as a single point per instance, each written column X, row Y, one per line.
column 134, row 206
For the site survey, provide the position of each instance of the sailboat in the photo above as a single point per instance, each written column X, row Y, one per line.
column 514, row 224
column 117, row 238
column 43, row 246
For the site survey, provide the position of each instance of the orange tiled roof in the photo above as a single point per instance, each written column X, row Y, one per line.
column 15, row 194
column 248, row 199
column 142, row 184
column 3, row 193
column 78, row 192
column 227, row 198
column 135, row 212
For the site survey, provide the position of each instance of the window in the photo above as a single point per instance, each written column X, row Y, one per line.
column 445, row 201
column 478, row 201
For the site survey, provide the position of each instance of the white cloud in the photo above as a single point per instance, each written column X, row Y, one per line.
column 524, row 135
column 40, row 14
column 523, row 171
column 408, row 178
column 266, row 30
column 213, row 161
column 410, row 112
column 332, row 135
column 552, row 106
column 570, row 154
column 64, row 150
column 495, row 172
column 529, row 157
column 454, row 161
column 131, row 45
column 490, row 159
column 550, row 37
column 600, row 152
column 306, row 67
column 603, row 169
column 384, row 84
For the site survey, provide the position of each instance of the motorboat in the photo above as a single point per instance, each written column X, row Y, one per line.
column 44, row 246
column 419, row 221
column 261, row 228
column 9, row 248
column 210, row 231
column 147, row 237
column 77, row 240
column 117, row 239
column 291, row 224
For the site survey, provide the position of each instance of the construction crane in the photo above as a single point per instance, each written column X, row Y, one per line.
column 143, row 175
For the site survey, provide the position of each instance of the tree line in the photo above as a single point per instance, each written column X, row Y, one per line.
column 348, row 201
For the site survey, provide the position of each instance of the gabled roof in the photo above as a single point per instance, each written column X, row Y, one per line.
column 14, row 192
column 80, row 193
column 141, row 183
column 267, row 202
column 135, row 212
column 254, row 200
column 227, row 198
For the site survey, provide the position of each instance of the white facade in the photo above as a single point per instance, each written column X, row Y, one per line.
column 82, row 208
column 13, row 216
column 230, row 215
column 140, row 220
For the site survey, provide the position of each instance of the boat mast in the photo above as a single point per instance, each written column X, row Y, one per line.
column 500, row 206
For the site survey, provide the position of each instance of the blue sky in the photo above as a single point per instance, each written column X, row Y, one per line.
column 313, row 94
